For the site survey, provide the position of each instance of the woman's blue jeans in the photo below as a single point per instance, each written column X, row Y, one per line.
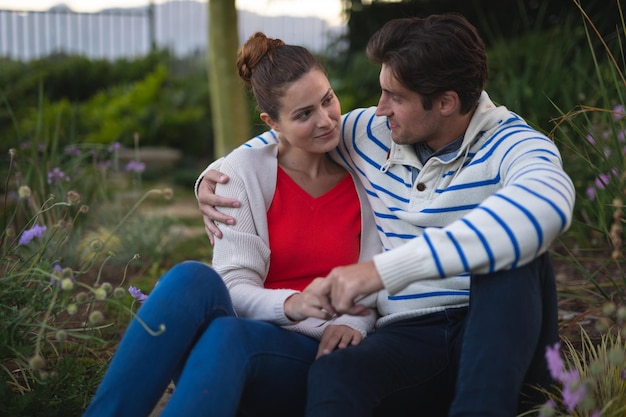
column 483, row 361
column 222, row 365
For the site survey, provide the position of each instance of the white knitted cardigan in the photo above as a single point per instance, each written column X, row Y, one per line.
column 242, row 256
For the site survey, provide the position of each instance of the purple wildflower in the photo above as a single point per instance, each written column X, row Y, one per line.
column 602, row 181
column 137, row 294
column 72, row 150
column 591, row 193
column 34, row 232
column 590, row 139
column 619, row 112
column 56, row 175
column 555, row 364
column 622, row 375
column 115, row 146
column 573, row 393
column 135, row 166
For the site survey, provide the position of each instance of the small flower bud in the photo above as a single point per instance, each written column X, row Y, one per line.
column 96, row 245
column 602, row 324
column 119, row 293
column 168, row 193
column 84, row 209
column 24, row 191
column 37, row 362
column 72, row 197
column 72, row 309
column 61, row 335
column 608, row 308
column 547, row 410
column 596, row 368
column 621, row 313
column 81, row 297
column 100, row 294
column 96, row 317
column 67, row 284
column 106, row 287
column 616, row 356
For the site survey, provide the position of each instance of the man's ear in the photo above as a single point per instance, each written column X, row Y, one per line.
column 449, row 103
column 270, row 122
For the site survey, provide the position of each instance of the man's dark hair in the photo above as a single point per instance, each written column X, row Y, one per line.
column 432, row 55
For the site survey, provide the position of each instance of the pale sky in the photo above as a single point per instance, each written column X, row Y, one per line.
column 329, row 10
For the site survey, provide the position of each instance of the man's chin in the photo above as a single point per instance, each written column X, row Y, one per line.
column 397, row 138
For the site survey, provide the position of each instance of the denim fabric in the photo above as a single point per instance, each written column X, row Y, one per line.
column 411, row 367
column 222, row 365
column 513, row 317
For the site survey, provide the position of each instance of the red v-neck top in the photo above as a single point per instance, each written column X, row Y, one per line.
column 308, row 235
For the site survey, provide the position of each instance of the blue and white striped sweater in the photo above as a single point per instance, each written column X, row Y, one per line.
column 498, row 204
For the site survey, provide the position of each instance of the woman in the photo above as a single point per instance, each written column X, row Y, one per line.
column 240, row 337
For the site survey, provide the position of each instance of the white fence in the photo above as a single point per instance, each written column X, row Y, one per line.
column 178, row 25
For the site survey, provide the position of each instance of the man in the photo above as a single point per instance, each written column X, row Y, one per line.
column 467, row 199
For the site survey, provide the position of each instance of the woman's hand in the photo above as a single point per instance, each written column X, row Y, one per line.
column 301, row 305
column 338, row 337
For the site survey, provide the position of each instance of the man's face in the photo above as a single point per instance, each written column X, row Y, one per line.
column 408, row 120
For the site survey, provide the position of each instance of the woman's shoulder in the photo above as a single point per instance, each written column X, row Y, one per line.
column 247, row 157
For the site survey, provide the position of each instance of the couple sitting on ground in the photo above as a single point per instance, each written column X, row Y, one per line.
column 348, row 247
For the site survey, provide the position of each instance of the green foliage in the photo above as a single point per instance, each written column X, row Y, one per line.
column 114, row 115
column 491, row 17
column 591, row 381
column 72, row 236
column 593, row 138
column 530, row 83
column 355, row 81
column 165, row 101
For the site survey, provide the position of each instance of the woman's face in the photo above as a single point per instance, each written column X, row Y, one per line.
column 310, row 114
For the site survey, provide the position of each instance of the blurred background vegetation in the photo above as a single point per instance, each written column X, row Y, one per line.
column 538, row 54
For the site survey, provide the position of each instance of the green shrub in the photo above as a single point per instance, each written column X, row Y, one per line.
column 71, row 238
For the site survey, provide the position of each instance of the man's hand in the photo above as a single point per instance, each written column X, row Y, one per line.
column 208, row 200
column 338, row 337
column 340, row 291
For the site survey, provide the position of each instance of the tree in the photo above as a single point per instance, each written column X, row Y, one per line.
column 229, row 105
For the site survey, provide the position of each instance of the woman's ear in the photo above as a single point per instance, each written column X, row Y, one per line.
column 270, row 122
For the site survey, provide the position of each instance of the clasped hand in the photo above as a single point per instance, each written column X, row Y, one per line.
column 339, row 292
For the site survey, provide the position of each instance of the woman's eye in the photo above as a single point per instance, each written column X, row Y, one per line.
column 303, row 115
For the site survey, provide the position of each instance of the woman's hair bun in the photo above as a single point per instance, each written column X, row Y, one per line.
column 257, row 47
